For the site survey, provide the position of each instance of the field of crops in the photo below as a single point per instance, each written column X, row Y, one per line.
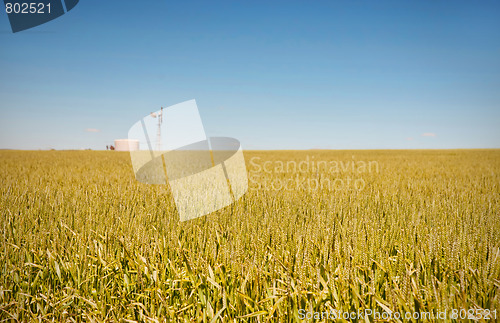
column 411, row 231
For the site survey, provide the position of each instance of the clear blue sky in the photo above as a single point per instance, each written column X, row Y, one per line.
column 274, row 74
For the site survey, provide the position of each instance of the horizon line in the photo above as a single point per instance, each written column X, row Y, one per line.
column 308, row 149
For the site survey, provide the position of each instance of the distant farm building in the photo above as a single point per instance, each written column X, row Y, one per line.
column 126, row 145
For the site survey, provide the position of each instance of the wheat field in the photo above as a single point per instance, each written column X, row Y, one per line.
column 82, row 240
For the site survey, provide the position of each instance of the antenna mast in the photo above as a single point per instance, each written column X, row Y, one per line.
column 158, row 133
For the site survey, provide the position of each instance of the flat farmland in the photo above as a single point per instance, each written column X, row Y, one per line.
column 396, row 231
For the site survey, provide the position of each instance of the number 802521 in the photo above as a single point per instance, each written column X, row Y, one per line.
column 32, row 7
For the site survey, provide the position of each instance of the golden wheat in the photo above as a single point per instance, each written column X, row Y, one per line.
column 83, row 240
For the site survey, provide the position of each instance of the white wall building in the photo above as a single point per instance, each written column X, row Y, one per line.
column 126, row 145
